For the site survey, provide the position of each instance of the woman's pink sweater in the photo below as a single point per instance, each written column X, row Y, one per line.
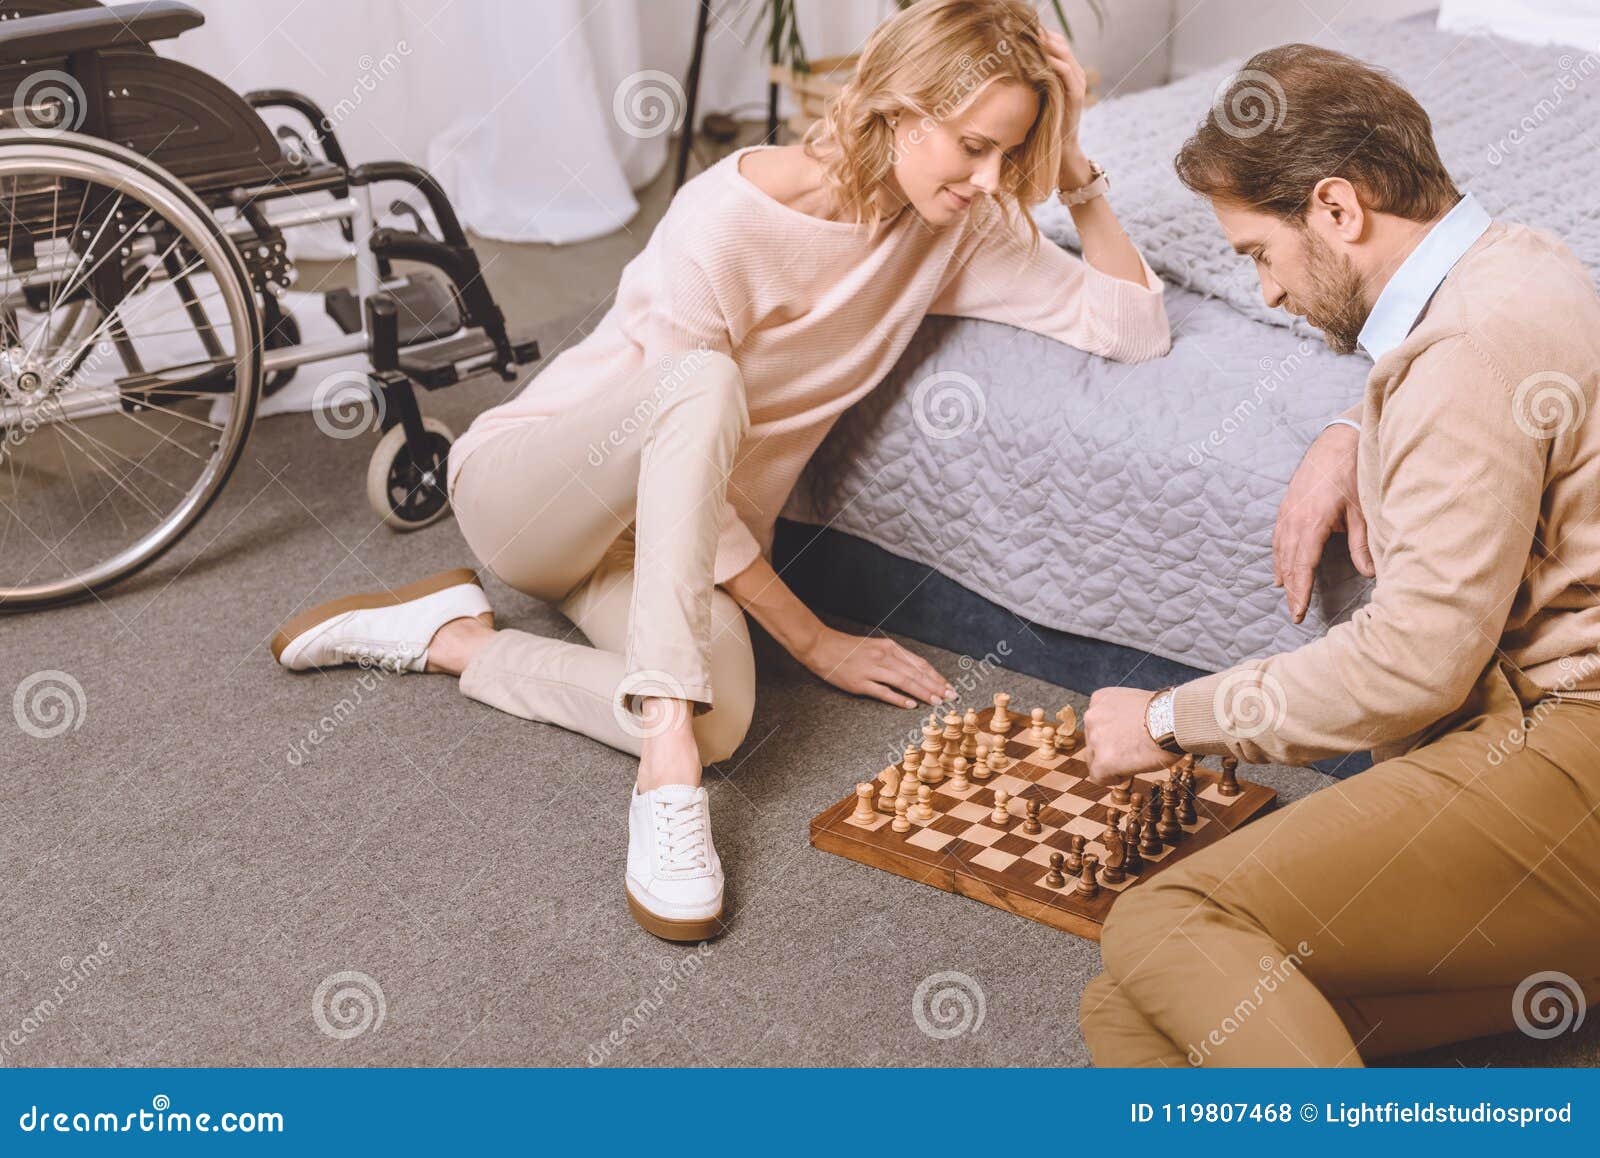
column 815, row 313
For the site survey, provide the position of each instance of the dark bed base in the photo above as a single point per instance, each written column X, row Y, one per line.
column 839, row 573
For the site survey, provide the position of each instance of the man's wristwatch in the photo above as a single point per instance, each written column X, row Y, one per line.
column 1097, row 186
column 1158, row 719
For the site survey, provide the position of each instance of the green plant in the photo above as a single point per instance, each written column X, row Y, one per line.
column 784, row 45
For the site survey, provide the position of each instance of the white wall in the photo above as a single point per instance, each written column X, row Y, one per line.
column 1208, row 32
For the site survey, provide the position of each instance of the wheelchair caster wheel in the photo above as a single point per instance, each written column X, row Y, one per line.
column 406, row 493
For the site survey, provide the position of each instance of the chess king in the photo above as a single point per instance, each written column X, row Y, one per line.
column 1408, row 906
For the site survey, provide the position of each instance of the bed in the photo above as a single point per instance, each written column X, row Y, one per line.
column 1112, row 523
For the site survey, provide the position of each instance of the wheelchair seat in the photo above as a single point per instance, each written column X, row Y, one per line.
column 109, row 83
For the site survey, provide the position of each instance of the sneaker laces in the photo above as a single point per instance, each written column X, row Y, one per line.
column 683, row 840
column 395, row 657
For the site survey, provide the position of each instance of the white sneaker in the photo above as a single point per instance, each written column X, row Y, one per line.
column 674, row 878
column 387, row 629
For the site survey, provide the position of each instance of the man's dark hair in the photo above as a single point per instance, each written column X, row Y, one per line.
column 1296, row 114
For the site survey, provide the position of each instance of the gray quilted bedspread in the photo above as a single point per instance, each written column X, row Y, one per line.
column 1135, row 504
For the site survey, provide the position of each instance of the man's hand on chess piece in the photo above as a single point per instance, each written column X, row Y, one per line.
column 1116, row 741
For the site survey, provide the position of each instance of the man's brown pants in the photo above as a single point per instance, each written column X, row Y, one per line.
column 1446, row 894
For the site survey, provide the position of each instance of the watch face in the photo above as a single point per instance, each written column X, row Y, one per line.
column 1159, row 717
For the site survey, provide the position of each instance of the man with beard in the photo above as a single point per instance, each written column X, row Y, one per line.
column 1446, row 892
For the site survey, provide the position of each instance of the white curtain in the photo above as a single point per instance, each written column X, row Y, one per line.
column 512, row 104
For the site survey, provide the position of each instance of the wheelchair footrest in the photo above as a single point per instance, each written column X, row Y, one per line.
column 446, row 363
column 427, row 308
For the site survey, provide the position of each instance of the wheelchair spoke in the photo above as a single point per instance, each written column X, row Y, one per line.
column 123, row 362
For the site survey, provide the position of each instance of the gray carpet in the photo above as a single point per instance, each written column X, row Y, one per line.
column 238, row 838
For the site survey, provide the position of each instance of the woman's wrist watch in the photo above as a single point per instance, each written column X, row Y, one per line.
column 1158, row 719
column 1097, row 186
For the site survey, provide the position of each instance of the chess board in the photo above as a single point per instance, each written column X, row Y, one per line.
column 962, row 850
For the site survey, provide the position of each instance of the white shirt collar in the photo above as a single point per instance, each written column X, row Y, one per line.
column 1411, row 288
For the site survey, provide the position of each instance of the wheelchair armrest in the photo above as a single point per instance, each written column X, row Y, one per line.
column 58, row 34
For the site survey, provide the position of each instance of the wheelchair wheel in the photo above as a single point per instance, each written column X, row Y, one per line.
column 129, row 364
column 408, row 493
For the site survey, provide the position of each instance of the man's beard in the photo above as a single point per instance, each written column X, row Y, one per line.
column 1336, row 305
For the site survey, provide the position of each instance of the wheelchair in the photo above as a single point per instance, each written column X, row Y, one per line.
column 145, row 209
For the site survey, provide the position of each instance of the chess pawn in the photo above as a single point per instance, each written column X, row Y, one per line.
column 1132, row 861
column 891, row 787
column 1087, row 885
column 900, row 823
column 1150, row 844
column 1120, row 792
column 952, row 742
column 958, row 775
column 1229, row 784
column 1030, row 823
column 969, row 736
column 864, row 813
column 980, row 766
column 1000, row 722
column 1056, row 879
column 1136, row 805
column 997, row 761
column 1036, row 731
column 924, row 809
column 1000, row 814
column 908, row 791
column 1075, row 854
column 1048, row 739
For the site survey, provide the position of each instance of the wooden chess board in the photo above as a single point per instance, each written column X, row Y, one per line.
column 962, row 850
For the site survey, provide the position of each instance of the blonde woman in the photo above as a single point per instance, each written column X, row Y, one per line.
column 635, row 480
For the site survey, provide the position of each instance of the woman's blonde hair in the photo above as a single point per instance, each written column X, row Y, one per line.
column 926, row 63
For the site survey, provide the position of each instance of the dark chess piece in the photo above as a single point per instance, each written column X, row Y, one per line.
column 1087, row 885
column 1186, row 810
column 1056, row 879
column 1151, row 844
column 1229, row 784
column 1031, row 824
column 1168, row 828
column 1075, row 854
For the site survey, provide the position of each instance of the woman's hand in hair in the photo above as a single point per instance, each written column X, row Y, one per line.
column 1076, row 81
column 867, row 665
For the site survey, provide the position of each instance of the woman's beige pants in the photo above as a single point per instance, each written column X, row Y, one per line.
column 612, row 512
column 1449, row 893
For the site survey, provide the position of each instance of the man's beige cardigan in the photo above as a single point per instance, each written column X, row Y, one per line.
column 1478, row 471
